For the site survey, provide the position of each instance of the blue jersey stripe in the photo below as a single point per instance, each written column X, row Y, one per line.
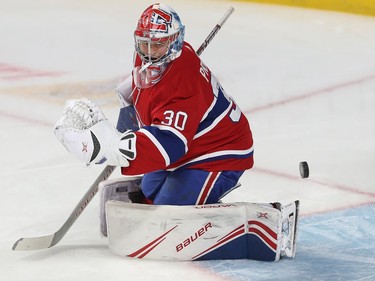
column 172, row 144
column 221, row 105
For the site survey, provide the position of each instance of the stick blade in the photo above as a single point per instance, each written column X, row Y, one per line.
column 33, row 243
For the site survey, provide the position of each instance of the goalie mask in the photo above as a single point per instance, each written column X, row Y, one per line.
column 158, row 37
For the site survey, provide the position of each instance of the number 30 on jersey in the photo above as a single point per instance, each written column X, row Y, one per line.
column 177, row 120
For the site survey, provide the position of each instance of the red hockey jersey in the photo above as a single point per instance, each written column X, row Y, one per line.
column 186, row 119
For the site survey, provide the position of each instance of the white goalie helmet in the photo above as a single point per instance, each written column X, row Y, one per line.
column 158, row 37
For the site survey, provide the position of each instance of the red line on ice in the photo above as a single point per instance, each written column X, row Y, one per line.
column 25, row 119
column 327, row 184
column 309, row 95
column 13, row 72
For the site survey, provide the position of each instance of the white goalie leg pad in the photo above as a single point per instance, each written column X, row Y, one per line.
column 115, row 189
column 289, row 229
column 217, row 231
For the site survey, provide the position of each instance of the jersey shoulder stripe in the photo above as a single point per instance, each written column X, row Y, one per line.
column 217, row 110
column 211, row 121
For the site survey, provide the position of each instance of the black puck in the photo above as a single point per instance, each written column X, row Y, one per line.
column 304, row 169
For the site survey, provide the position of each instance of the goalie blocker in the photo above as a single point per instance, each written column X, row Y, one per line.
column 264, row 232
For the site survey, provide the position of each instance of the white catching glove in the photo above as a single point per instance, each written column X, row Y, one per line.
column 86, row 133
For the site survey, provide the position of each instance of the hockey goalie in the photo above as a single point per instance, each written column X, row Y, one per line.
column 189, row 143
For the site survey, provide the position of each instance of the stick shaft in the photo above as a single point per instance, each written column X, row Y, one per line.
column 43, row 242
column 215, row 30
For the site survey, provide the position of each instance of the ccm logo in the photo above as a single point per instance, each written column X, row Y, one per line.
column 194, row 237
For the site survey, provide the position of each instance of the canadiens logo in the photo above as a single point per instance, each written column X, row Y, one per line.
column 158, row 20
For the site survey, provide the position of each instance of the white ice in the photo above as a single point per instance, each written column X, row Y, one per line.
column 305, row 79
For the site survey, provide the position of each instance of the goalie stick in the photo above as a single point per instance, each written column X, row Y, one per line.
column 215, row 30
column 44, row 242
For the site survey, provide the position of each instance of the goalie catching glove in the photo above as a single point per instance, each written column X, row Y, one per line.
column 86, row 133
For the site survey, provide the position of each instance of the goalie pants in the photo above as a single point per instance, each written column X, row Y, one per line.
column 188, row 186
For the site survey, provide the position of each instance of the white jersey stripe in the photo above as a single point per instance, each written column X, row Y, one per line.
column 207, row 187
column 217, row 120
column 216, row 154
column 158, row 145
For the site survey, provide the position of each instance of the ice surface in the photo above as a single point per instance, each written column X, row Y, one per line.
column 305, row 79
